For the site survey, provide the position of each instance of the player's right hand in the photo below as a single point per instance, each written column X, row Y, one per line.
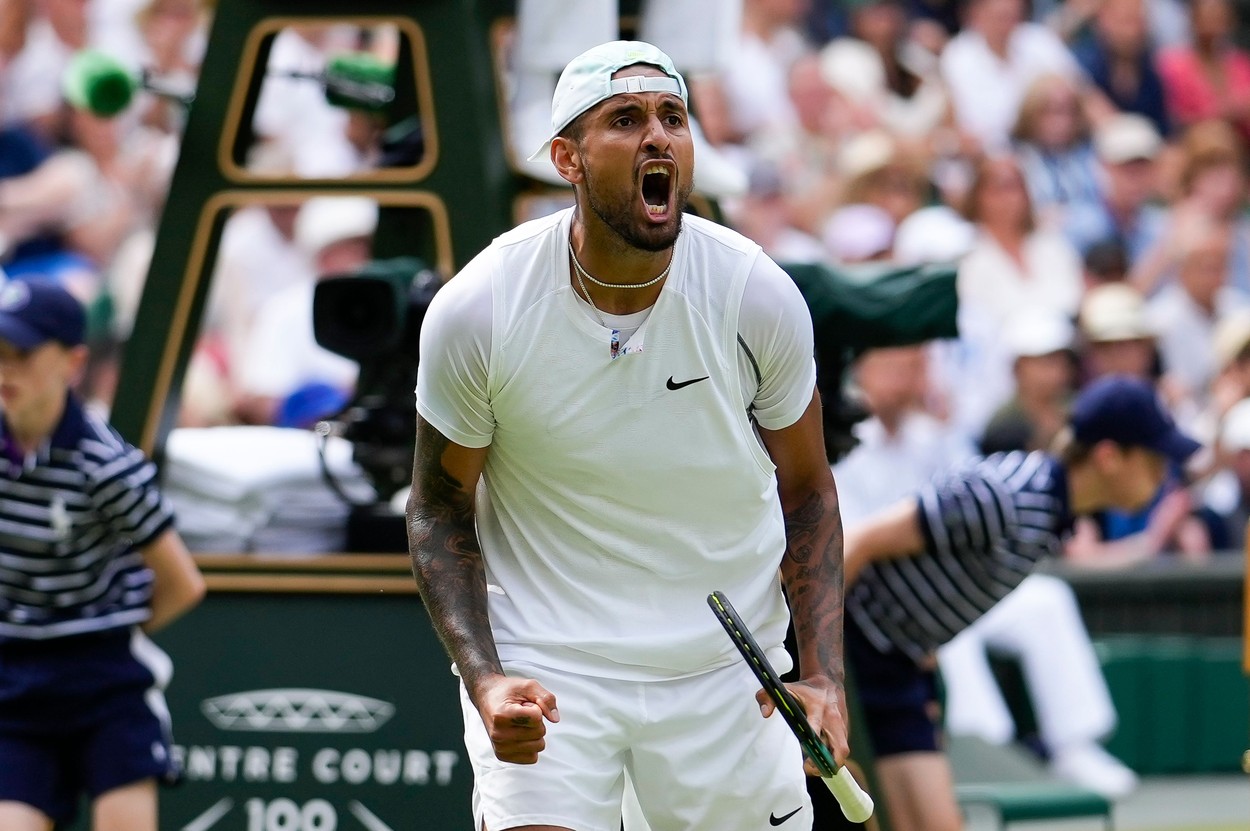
column 513, row 710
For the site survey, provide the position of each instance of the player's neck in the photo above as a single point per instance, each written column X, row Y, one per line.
column 31, row 428
column 604, row 259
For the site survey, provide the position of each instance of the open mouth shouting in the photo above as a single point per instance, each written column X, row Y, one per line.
column 657, row 189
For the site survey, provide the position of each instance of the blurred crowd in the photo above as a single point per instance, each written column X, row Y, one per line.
column 1085, row 161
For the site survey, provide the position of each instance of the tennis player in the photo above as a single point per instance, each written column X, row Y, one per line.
column 634, row 391
column 920, row 572
column 89, row 563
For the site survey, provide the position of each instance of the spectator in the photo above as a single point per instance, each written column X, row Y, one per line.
column 805, row 155
column 1052, row 142
column 878, row 170
column 1211, row 77
column 933, row 234
column 55, row 30
column 901, row 445
column 858, row 234
column 1119, row 58
column 1117, row 336
column 1231, row 345
column 753, row 85
column 1227, row 494
column 1014, row 265
column 880, row 69
column 258, row 258
column 1212, row 191
column 1105, row 262
column 1043, row 368
column 172, row 35
column 292, row 116
column 764, row 215
column 1120, row 340
column 1127, row 147
column 989, row 65
column 337, row 233
column 1185, row 313
column 127, row 167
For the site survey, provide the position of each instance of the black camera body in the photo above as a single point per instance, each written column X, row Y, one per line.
column 373, row 317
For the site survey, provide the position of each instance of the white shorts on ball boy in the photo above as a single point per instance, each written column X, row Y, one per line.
column 698, row 752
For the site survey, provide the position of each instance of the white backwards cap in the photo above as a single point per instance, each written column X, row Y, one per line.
column 587, row 80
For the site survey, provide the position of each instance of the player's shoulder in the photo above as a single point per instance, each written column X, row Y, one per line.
column 534, row 231
column 706, row 232
column 1019, row 471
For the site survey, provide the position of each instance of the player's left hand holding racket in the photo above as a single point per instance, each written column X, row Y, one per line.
column 856, row 805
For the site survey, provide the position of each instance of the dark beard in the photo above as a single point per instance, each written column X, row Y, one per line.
column 653, row 238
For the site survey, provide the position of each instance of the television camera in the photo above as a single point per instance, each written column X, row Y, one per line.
column 373, row 317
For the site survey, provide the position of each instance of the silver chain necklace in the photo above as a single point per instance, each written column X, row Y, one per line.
column 582, row 284
column 582, row 272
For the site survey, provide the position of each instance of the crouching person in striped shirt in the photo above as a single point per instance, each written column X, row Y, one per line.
column 89, row 562
column 920, row 572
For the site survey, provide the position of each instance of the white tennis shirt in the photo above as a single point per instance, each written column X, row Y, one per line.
column 619, row 491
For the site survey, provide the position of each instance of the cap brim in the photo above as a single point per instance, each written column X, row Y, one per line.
column 19, row 333
column 1176, row 446
column 541, row 153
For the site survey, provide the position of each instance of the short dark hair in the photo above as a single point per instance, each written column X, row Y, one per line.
column 575, row 131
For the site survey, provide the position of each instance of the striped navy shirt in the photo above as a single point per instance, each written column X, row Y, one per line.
column 73, row 516
column 985, row 527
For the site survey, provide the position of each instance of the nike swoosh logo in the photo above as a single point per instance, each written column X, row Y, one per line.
column 773, row 819
column 676, row 385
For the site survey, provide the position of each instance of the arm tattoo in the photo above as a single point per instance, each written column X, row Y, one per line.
column 812, row 570
column 447, row 559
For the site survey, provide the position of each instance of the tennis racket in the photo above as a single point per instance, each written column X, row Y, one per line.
column 856, row 805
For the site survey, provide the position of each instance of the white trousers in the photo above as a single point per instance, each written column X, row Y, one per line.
column 1039, row 624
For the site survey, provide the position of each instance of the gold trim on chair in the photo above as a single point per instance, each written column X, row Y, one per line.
column 407, row 27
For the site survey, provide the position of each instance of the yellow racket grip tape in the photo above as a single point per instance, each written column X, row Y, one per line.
column 855, row 803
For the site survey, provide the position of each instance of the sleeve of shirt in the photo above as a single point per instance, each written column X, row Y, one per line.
column 126, row 495
column 965, row 513
column 452, row 374
column 776, row 331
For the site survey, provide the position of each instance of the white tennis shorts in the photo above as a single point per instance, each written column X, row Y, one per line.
column 697, row 750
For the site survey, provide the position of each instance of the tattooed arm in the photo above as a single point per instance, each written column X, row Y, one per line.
column 447, row 564
column 812, row 571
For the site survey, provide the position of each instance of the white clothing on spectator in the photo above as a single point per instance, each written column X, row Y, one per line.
column 283, row 353
column 986, row 90
column 32, row 80
column 254, row 262
column 1049, row 279
column 1186, row 333
column 884, row 468
column 975, row 370
column 294, row 113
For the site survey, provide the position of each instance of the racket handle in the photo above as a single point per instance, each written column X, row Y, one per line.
column 856, row 805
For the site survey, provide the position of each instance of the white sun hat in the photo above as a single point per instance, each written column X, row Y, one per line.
column 587, row 80
column 1032, row 333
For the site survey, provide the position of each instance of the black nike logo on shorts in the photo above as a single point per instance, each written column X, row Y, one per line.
column 773, row 819
column 676, row 385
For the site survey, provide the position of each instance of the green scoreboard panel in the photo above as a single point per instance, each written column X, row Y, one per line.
column 324, row 703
